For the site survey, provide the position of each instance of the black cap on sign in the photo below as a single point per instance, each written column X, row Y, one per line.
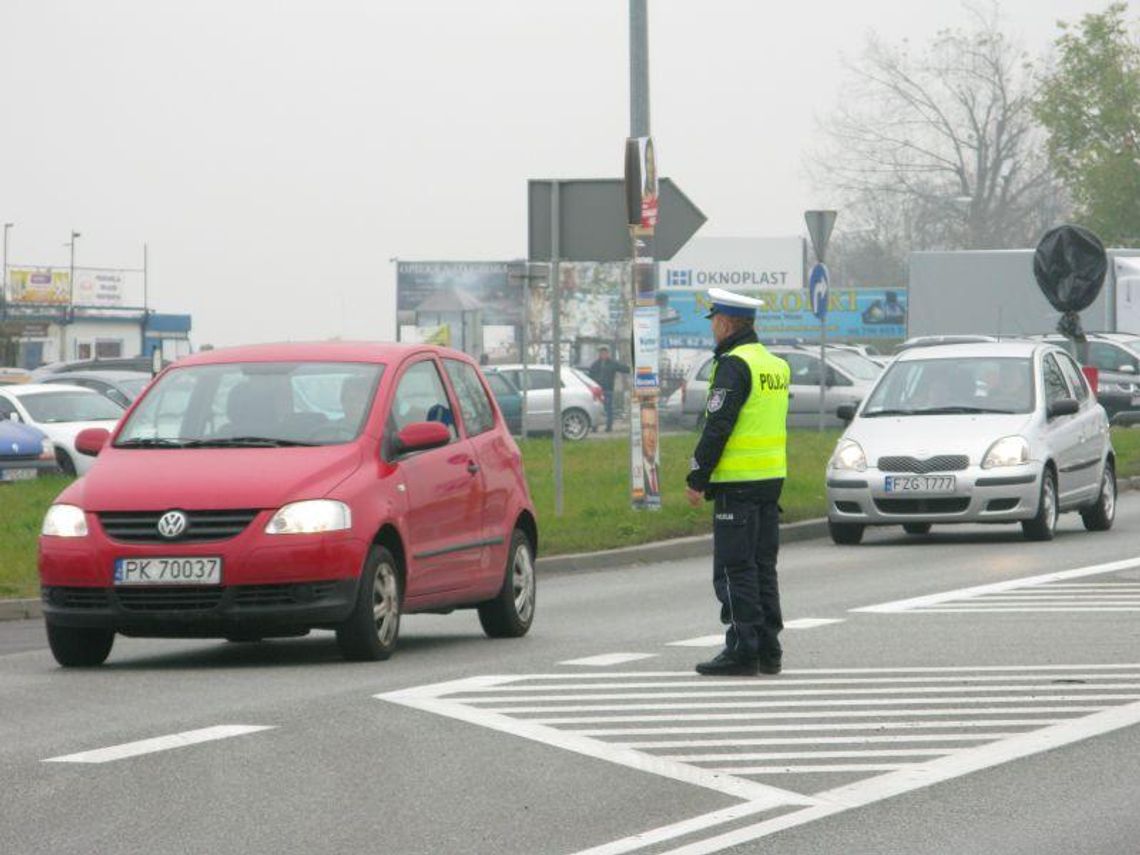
column 1070, row 265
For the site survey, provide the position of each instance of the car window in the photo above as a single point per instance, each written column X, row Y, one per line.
column 538, row 379
column 474, row 406
column 1056, row 388
column 855, row 364
column 1073, row 374
column 7, row 410
column 983, row 384
column 67, row 406
column 499, row 384
column 317, row 403
column 421, row 397
column 804, row 368
column 706, row 371
column 1109, row 357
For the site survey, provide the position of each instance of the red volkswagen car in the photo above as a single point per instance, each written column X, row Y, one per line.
column 264, row 491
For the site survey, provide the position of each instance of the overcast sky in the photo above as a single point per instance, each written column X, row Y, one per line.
column 276, row 155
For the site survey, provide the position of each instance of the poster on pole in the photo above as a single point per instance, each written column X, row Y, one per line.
column 645, row 452
column 646, row 348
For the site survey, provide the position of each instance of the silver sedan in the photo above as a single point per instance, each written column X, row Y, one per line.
column 1001, row 432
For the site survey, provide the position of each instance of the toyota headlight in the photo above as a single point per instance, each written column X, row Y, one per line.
column 849, row 455
column 310, row 517
column 1008, row 451
column 64, row 521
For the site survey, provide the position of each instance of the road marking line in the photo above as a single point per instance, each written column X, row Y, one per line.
column 807, row 755
column 701, row 641
column 841, row 681
column 159, row 743
column 428, row 698
column 914, row 603
column 794, row 672
column 831, row 726
column 718, row 640
column 1023, row 610
column 609, row 659
column 923, row 775
column 860, row 739
column 800, row 693
column 799, row 714
column 677, row 829
column 846, row 702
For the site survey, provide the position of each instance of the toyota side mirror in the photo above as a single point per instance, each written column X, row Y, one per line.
column 91, row 441
column 422, row 436
column 845, row 413
column 1063, row 407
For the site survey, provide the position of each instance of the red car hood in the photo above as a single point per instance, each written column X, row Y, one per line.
column 210, row 478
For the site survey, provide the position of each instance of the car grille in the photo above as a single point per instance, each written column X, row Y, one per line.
column 195, row 599
column 939, row 463
column 282, row 595
column 142, row 526
column 922, row 506
column 77, row 598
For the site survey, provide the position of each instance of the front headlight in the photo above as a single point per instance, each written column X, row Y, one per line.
column 311, row 517
column 849, row 455
column 1008, row 451
column 64, row 521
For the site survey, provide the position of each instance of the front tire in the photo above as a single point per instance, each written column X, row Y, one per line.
column 371, row 630
column 1044, row 525
column 845, row 534
column 575, row 424
column 65, row 463
column 511, row 613
column 75, row 647
column 1101, row 515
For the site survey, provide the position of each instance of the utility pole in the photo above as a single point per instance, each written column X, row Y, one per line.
column 69, row 310
column 4, row 281
column 638, row 69
column 146, row 302
column 556, row 331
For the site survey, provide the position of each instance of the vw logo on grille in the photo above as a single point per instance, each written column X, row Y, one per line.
column 172, row 524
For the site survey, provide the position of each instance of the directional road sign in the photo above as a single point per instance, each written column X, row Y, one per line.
column 819, row 281
column 593, row 215
column 820, row 224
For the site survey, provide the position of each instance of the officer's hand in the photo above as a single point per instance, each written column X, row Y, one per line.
column 695, row 497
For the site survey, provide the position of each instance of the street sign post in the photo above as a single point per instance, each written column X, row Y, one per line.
column 819, row 226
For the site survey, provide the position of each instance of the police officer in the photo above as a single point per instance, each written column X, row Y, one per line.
column 740, row 464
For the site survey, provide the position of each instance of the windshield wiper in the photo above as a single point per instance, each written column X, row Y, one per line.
column 247, row 442
column 150, row 442
column 873, row 413
column 953, row 411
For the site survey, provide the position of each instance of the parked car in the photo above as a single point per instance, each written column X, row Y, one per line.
column 116, row 363
column 938, row 340
column 61, row 412
column 11, row 376
column 1116, row 357
column 264, row 491
column 849, row 378
column 507, row 396
column 987, row 432
column 122, row 387
column 582, row 407
column 24, row 451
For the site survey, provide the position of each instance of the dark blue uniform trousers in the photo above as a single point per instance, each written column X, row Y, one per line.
column 746, row 540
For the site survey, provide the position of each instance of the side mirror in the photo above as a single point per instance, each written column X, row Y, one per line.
column 420, row 436
column 845, row 413
column 1063, row 407
column 91, row 441
column 13, row 417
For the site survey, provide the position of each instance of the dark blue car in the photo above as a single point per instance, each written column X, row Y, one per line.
column 23, row 450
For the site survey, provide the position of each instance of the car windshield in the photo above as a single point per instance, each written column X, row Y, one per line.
column 254, row 404
column 949, row 386
column 134, row 387
column 855, row 364
column 70, row 406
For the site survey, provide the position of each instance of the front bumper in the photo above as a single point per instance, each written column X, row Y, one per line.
column 1009, row 494
column 269, row 583
column 36, row 465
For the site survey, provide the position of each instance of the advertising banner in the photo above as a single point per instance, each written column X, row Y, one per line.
column 738, row 264
column 39, row 285
column 645, row 451
column 863, row 314
column 646, row 348
column 103, row 288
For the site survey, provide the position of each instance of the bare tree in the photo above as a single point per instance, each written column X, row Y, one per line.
column 939, row 149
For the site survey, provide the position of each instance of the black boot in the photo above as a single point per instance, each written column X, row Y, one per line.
column 728, row 665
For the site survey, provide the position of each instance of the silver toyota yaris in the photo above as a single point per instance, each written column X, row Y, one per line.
column 994, row 432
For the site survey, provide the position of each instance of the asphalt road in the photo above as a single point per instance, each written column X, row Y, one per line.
column 996, row 721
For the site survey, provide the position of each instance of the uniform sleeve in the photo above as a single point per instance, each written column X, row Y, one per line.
column 732, row 384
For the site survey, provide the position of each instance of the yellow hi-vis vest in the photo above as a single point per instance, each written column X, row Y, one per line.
column 757, row 448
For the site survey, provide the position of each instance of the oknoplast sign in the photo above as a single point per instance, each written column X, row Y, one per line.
column 743, row 264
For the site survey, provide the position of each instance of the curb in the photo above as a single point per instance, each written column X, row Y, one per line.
column 665, row 550
column 646, row 553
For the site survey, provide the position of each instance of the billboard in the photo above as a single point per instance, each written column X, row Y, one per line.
column 39, row 285
column 738, row 264
column 864, row 314
column 101, row 288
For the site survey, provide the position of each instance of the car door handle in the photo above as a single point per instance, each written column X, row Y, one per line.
column 472, row 467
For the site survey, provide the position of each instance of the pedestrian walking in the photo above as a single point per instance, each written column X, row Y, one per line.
column 740, row 463
column 603, row 371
